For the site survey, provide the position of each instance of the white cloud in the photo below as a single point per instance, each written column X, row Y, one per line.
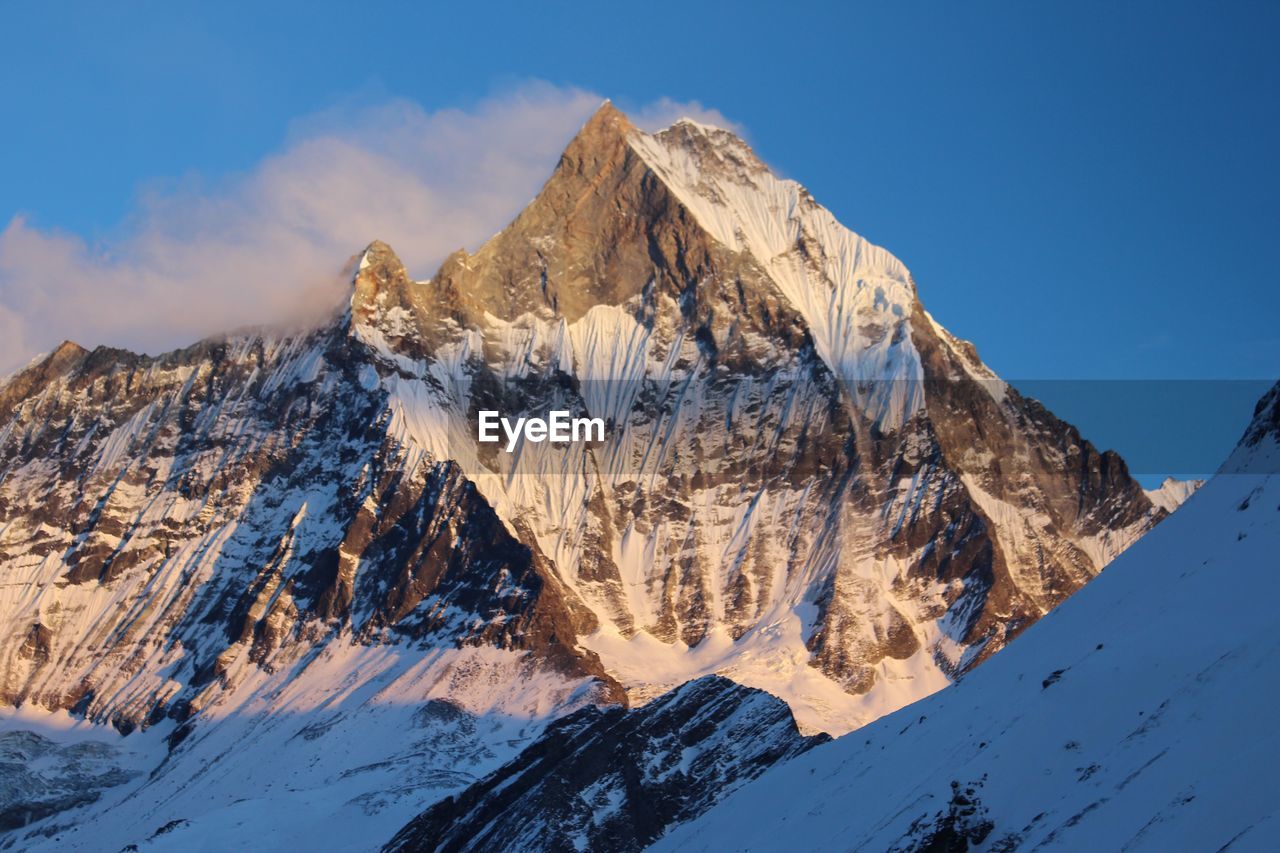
column 266, row 247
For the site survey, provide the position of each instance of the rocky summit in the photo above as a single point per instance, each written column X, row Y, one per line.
column 281, row 561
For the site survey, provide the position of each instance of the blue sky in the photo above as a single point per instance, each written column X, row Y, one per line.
column 1086, row 190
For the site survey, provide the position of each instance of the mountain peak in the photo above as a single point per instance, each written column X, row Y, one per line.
column 714, row 149
column 68, row 349
column 698, row 125
column 607, row 115
column 603, row 135
column 379, row 280
column 378, row 255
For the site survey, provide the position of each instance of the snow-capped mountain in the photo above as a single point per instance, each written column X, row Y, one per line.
column 1172, row 493
column 1136, row 716
column 810, row 486
column 262, row 548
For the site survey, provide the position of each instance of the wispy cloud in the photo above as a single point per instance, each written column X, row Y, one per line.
column 267, row 246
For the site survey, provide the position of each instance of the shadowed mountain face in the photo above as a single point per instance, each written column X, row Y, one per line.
column 615, row 779
column 807, row 484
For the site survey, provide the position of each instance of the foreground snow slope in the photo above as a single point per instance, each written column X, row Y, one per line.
column 1138, row 715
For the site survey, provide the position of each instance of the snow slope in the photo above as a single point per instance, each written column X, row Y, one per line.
column 1138, row 715
column 334, row 755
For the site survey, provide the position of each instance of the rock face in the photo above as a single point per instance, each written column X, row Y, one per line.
column 1137, row 716
column 615, row 779
column 807, row 485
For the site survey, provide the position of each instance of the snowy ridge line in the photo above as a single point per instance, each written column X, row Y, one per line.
column 855, row 297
